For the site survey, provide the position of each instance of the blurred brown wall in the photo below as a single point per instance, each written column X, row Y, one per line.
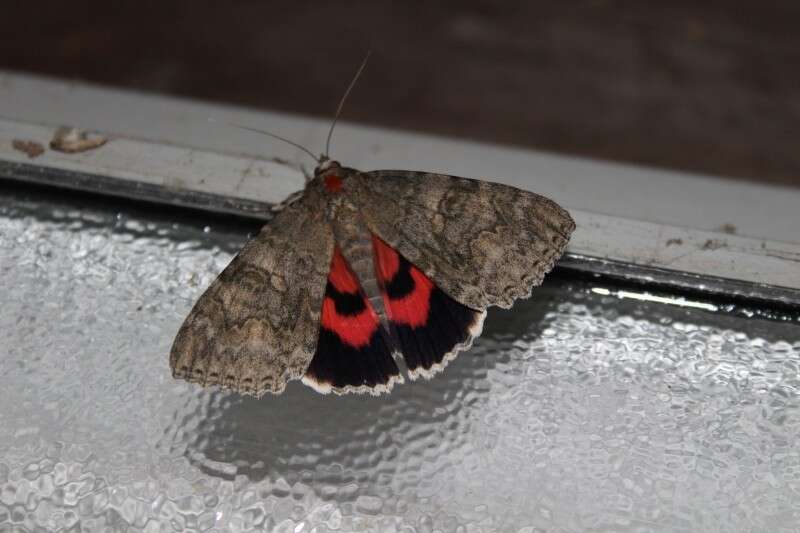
column 708, row 86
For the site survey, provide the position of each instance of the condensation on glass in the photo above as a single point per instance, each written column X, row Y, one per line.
column 577, row 410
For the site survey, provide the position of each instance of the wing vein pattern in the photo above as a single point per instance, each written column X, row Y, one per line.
column 257, row 325
column 482, row 243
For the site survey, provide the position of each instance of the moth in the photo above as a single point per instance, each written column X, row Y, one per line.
column 363, row 270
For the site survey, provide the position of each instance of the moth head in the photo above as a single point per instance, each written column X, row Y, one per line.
column 330, row 174
column 324, row 165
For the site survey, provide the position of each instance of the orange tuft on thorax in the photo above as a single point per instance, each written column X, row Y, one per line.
column 333, row 183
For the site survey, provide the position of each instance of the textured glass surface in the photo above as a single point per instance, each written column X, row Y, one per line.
column 577, row 410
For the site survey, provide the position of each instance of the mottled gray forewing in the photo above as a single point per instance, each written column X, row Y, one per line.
column 256, row 326
column 482, row 243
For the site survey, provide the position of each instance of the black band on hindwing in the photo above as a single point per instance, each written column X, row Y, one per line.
column 347, row 303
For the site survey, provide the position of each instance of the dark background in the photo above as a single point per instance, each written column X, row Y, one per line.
column 707, row 86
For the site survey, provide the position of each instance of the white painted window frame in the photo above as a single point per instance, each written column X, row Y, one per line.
column 701, row 233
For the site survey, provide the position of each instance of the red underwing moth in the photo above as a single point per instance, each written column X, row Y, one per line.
column 365, row 269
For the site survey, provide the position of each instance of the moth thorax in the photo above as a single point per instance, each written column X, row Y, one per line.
column 333, row 183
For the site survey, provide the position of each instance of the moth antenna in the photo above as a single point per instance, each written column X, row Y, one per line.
column 341, row 102
column 274, row 136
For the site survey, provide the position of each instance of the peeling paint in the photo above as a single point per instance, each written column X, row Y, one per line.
column 30, row 148
column 72, row 140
